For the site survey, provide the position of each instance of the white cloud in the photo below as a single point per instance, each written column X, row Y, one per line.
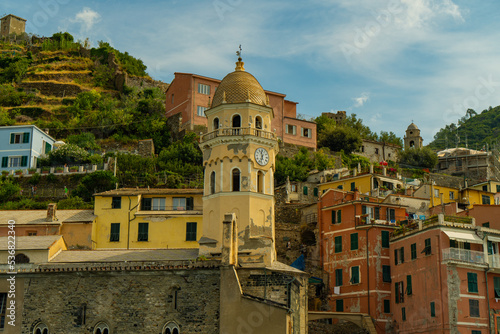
column 361, row 100
column 87, row 18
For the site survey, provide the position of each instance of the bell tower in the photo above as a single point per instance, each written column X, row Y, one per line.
column 239, row 158
column 413, row 138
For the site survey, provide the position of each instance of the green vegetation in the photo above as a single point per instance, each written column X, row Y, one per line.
column 418, row 157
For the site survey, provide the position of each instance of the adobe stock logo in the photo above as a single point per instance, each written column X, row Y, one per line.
column 485, row 89
column 48, row 10
column 225, row 6
column 364, row 36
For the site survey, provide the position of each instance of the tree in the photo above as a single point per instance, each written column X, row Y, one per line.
column 340, row 138
column 93, row 183
column 419, row 157
column 183, row 157
column 390, row 138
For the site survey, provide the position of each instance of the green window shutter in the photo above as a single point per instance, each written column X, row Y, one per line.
column 143, row 232
column 115, row 232
column 334, row 213
column 339, row 305
column 191, row 231
column 189, row 203
column 338, row 277
column 387, row 306
column 467, row 246
column 396, row 290
column 305, row 190
column 402, row 255
column 5, row 161
column 353, row 186
column 496, row 284
column 403, row 313
column 354, row 275
column 396, row 257
column 433, row 309
column 315, row 192
column 472, row 282
column 385, row 239
column 413, row 249
column 24, row 161
column 26, row 137
column 12, row 138
column 338, row 244
column 386, row 274
column 377, row 212
column 146, row 204
column 339, row 216
column 354, row 241
column 408, row 285
column 363, row 209
column 48, row 148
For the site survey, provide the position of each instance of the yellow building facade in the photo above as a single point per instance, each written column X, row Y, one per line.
column 365, row 184
column 469, row 196
column 148, row 218
column 239, row 158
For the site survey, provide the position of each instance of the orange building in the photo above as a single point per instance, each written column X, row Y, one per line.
column 354, row 239
column 190, row 95
column 445, row 277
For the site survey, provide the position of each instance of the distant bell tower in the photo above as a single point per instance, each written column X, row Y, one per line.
column 239, row 158
column 413, row 138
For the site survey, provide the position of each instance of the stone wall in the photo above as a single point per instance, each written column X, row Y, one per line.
column 50, row 88
column 144, row 82
column 128, row 301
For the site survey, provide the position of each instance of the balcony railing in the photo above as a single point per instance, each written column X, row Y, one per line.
column 171, row 208
column 463, row 255
column 494, row 260
column 238, row 132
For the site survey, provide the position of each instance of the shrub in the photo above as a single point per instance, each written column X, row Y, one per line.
column 68, row 154
column 74, row 203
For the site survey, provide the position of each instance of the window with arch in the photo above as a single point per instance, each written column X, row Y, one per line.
column 258, row 122
column 260, row 182
column 21, row 258
column 236, row 179
column 412, row 143
column 236, row 123
column 212, row 182
column 41, row 328
column 216, row 123
column 101, row 328
column 171, row 328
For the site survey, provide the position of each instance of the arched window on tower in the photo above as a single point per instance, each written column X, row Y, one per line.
column 236, row 124
column 212, row 183
column 258, row 125
column 260, row 182
column 412, row 143
column 216, row 123
column 236, row 179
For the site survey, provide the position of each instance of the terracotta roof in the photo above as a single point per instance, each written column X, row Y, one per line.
column 31, row 242
column 75, row 256
column 33, row 217
column 151, row 191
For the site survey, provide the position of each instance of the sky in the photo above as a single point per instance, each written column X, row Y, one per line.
column 390, row 62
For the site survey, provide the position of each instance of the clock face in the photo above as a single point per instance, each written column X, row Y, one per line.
column 261, row 156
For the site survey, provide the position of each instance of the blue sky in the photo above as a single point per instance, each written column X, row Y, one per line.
column 389, row 62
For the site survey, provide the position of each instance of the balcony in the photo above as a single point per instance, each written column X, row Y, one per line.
column 494, row 261
column 464, row 256
column 171, row 210
column 222, row 132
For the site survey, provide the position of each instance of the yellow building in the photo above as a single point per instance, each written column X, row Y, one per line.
column 147, row 218
column 466, row 198
column 442, row 195
column 370, row 184
column 239, row 158
column 491, row 186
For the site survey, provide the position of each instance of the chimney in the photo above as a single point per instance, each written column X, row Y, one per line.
column 356, row 194
column 51, row 212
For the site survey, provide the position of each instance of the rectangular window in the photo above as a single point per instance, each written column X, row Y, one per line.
column 433, row 309
column 315, row 192
column 377, row 213
column 5, row 162
column 354, row 241
column 396, row 256
column 201, row 111
column 18, row 138
column 436, row 192
column 291, row 129
column 400, row 292
column 339, row 216
column 338, row 277
column 3, row 306
column 474, row 308
column 191, row 230
column 353, row 186
column 143, row 234
column 339, row 305
column 116, row 203
column 334, row 216
column 338, row 244
column 485, row 199
column 115, row 232
column 386, row 274
column 402, row 255
column 15, row 161
column 403, row 313
column 203, row 89
column 48, row 148
column 498, row 188
column 158, row 203
column 427, row 249
column 146, row 204
column 306, row 132
column 387, row 306
column 355, row 275
column 179, row 203
column 413, row 251
column 305, row 190
column 475, row 331
column 485, row 187
column 452, row 195
column 472, row 282
column 496, row 285
column 408, row 285
column 385, row 239
column 391, row 215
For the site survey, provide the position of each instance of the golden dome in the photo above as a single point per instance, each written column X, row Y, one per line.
column 239, row 86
